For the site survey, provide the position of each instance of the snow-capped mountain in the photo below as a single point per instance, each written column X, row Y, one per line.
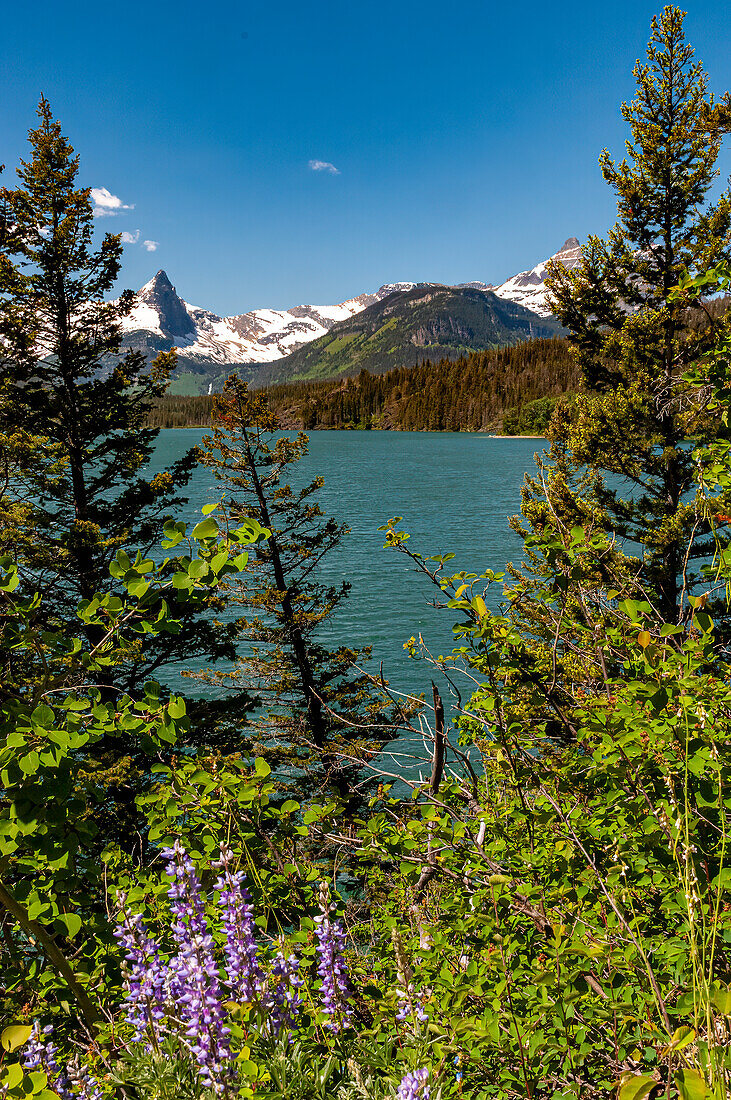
column 528, row 287
column 209, row 344
column 161, row 319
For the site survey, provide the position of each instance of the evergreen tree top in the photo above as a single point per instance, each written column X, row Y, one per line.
column 665, row 223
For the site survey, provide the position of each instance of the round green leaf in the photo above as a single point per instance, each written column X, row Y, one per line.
column 38, row 1081
column 13, row 1075
column 15, row 1036
column 681, row 1037
column 722, row 1000
column 637, row 1088
column 176, row 707
column 691, row 1085
column 71, row 922
column 206, row 529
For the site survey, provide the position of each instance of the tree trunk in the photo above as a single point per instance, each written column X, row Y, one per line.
column 313, row 702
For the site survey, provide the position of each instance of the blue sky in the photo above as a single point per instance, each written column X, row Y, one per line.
column 465, row 135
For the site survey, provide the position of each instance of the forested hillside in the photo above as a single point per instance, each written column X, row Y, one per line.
column 472, row 393
column 427, row 322
column 172, row 411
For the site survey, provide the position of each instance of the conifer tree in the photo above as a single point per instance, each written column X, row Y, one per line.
column 84, row 496
column 320, row 717
column 615, row 525
column 634, row 340
column 73, row 420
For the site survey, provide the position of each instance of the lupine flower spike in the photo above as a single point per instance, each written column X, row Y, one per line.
column 86, row 1086
column 283, row 999
column 415, row 1086
column 409, row 1004
column 41, row 1053
column 331, row 967
column 243, row 974
column 146, row 977
column 194, row 979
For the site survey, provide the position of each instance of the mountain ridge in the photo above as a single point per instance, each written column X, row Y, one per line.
column 210, row 346
column 430, row 321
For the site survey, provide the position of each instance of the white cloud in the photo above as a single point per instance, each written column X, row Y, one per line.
column 106, row 204
column 134, row 238
column 324, row 166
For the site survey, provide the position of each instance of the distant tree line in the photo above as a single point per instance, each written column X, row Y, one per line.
column 532, row 418
column 467, row 394
column 473, row 393
column 181, row 412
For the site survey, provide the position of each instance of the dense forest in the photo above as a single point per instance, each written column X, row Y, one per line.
column 171, row 411
column 225, row 889
column 473, row 393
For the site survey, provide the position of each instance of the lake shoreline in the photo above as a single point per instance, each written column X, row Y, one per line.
column 345, row 431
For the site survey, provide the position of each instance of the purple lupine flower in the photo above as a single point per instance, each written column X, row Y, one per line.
column 146, row 976
column 283, row 1001
column 194, row 980
column 86, row 1086
column 244, row 976
column 331, row 967
column 410, row 1005
column 40, row 1053
column 414, row 1086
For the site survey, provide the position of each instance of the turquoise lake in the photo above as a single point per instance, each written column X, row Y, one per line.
column 455, row 492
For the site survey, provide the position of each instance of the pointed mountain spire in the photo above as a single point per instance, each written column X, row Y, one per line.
column 160, row 294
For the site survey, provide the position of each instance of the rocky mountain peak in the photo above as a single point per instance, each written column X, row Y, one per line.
column 160, row 279
column 528, row 288
column 160, row 295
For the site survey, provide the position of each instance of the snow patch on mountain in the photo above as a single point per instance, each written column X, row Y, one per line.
column 260, row 336
column 528, row 287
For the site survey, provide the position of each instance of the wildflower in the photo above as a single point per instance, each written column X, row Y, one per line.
column 403, row 970
column 331, row 967
column 414, row 1086
column 86, row 1086
column 357, row 1074
column 194, row 979
column 283, row 1001
column 243, row 973
column 40, row 1053
column 409, row 1005
column 146, row 976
